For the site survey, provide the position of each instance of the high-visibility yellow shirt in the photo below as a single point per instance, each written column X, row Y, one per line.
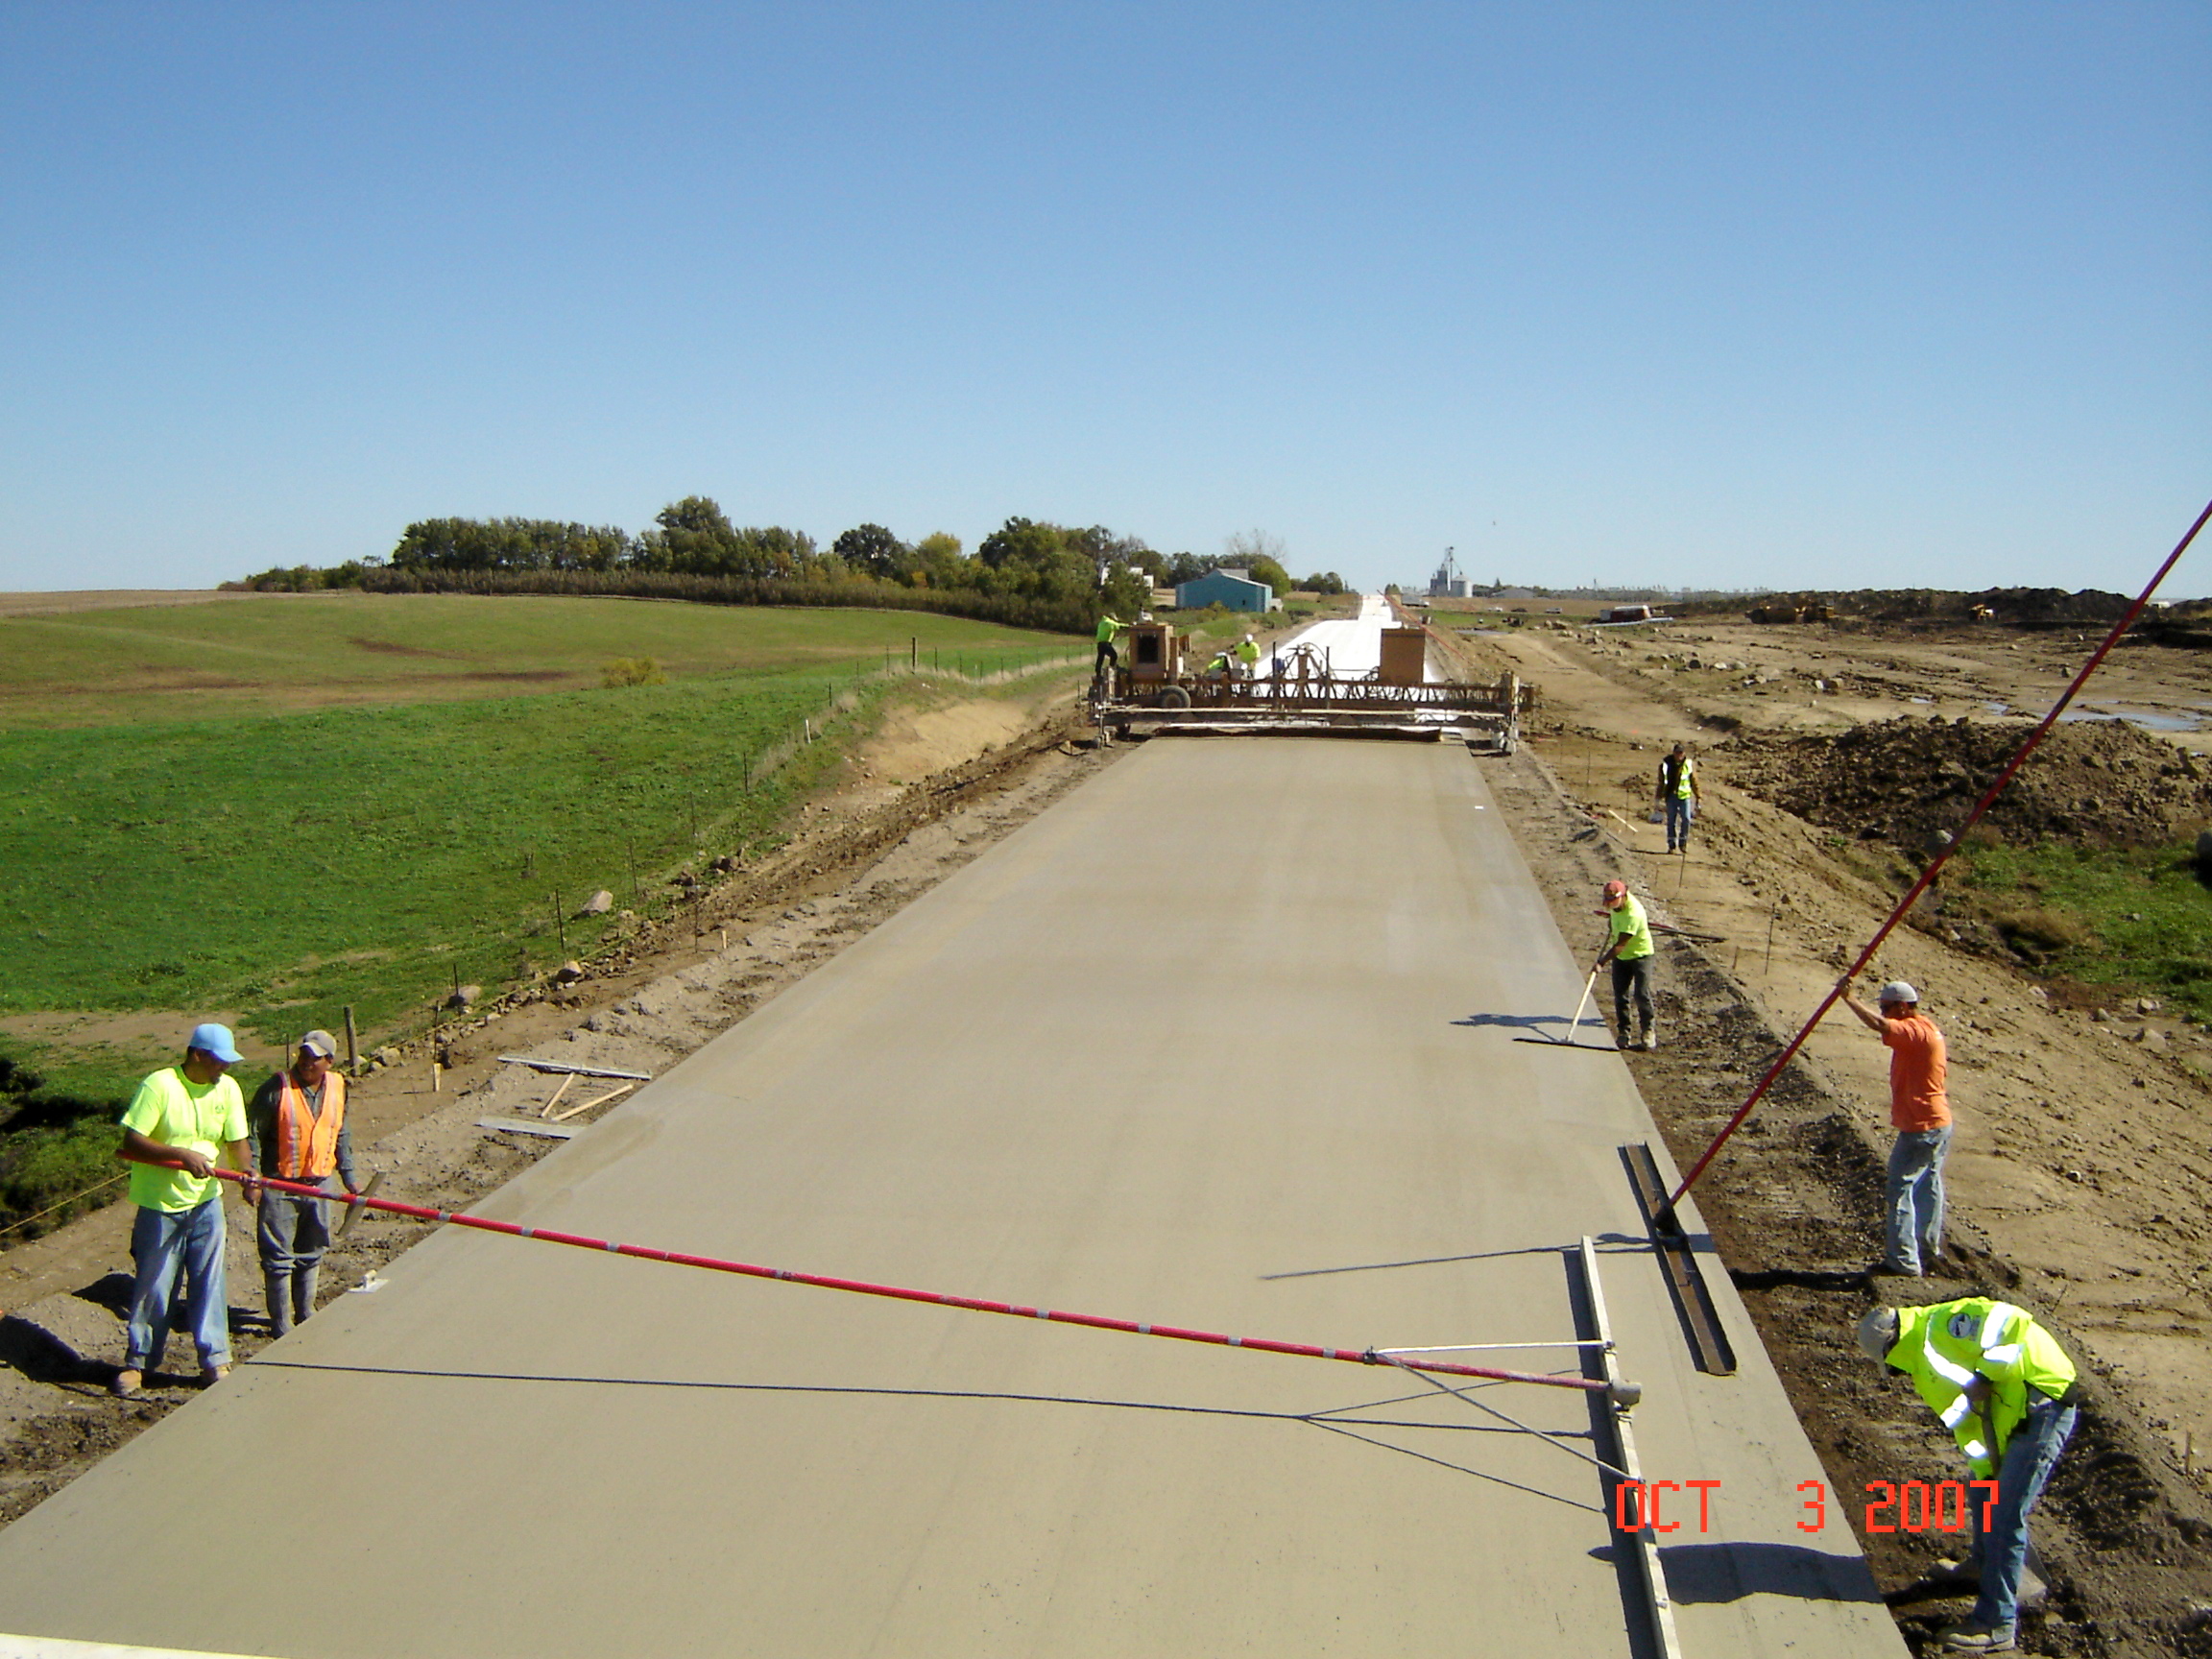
column 1632, row 928
column 1944, row 1347
column 172, row 1109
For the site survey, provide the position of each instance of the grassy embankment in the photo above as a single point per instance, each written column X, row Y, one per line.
column 2130, row 921
column 270, row 809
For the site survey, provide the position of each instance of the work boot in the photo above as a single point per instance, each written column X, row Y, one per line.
column 277, row 1291
column 127, row 1382
column 303, row 1291
column 1649, row 1041
column 211, row 1375
column 1978, row 1639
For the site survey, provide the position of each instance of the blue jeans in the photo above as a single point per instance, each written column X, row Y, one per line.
column 2000, row 1552
column 1912, row 1198
column 162, row 1244
column 1681, row 811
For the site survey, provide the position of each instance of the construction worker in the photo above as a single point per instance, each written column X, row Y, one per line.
column 181, row 1120
column 1678, row 795
column 1920, row 1111
column 1629, row 950
column 1110, row 629
column 296, row 1131
column 1247, row 656
column 2009, row 1394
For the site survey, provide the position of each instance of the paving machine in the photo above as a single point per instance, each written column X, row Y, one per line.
column 1164, row 685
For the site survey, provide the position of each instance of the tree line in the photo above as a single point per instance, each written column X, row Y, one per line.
column 1027, row 572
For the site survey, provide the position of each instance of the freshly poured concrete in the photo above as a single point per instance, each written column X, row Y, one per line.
column 1224, row 1040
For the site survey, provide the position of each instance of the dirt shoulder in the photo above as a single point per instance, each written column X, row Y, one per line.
column 935, row 786
column 2077, row 1182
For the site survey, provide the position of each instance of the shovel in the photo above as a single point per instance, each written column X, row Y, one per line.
column 355, row 1211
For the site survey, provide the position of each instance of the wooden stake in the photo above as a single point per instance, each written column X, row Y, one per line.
column 436, row 1075
column 353, row 1051
column 546, row 1110
column 559, row 922
column 1772, row 914
column 599, row 1100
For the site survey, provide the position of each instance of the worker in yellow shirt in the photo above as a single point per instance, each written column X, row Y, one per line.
column 182, row 1120
column 2009, row 1395
column 1630, row 951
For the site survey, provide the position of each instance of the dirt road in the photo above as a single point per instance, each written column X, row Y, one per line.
column 1287, row 1095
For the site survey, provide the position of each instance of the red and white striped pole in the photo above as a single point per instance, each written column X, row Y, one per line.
column 1623, row 1394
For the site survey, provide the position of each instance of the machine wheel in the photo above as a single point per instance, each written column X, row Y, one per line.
column 1174, row 697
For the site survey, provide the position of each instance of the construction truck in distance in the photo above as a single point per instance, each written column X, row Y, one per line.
column 1161, row 685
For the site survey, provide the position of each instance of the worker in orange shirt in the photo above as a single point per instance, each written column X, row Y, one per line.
column 1920, row 1111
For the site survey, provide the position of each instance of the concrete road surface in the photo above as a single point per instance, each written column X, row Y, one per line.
column 1227, row 1039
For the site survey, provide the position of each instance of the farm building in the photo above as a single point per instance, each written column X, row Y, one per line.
column 1232, row 590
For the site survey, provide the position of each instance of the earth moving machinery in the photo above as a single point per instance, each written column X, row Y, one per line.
column 1166, row 685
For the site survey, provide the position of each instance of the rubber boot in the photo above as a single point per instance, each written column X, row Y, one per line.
column 303, row 1290
column 276, row 1290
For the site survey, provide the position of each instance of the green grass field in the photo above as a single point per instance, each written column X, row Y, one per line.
column 364, row 808
column 2130, row 920
column 272, row 652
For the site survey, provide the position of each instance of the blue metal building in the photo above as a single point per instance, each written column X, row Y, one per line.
column 1232, row 590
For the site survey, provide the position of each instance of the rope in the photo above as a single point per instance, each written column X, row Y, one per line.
column 66, row 1202
column 861, row 1288
column 1936, row 865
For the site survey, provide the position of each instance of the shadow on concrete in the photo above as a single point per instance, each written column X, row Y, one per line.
column 1714, row 1572
column 1337, row 1419
column 1612, row 1243
column 1530, row 1021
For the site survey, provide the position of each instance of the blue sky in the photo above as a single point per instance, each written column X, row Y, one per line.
column 1727, row 295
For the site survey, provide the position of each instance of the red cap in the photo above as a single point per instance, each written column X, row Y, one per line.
column 1615, row 889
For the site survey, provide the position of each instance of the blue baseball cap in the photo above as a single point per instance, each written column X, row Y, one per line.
column 215, row 1039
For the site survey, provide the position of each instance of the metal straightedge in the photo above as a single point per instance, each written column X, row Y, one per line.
column 1651, row 1571
column 1708, row 1345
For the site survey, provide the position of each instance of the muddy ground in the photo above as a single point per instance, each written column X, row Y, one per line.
column 2078, row 1176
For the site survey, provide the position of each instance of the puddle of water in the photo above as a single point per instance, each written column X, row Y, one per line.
column 2138, row 717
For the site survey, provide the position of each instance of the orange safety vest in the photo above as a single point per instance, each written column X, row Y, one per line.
column 307, row 1142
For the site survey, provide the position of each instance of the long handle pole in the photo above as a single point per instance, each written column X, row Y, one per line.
column 1588, row 986
column 1096, row 1322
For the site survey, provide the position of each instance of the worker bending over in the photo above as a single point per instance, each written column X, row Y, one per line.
column 297, row 1131
column 1629, row 950
column 2008, row 1392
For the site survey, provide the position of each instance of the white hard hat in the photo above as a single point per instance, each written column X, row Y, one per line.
column 1878, row 1333
column 1897, row 991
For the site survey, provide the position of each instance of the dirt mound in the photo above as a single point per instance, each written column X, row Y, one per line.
column 2098, row 784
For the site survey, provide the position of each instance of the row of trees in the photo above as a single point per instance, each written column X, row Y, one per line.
column 1035, row 566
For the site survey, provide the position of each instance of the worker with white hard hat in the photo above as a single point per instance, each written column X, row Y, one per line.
column 1247, row 656
column 2009, row 1394
column 1920, row 1111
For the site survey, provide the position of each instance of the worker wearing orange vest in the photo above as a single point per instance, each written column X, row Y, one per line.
column 297, row 1131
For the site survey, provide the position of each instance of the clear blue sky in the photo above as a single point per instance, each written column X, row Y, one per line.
column 1837, row 295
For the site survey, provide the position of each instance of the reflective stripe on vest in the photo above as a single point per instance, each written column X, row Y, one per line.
column 307, row 1142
